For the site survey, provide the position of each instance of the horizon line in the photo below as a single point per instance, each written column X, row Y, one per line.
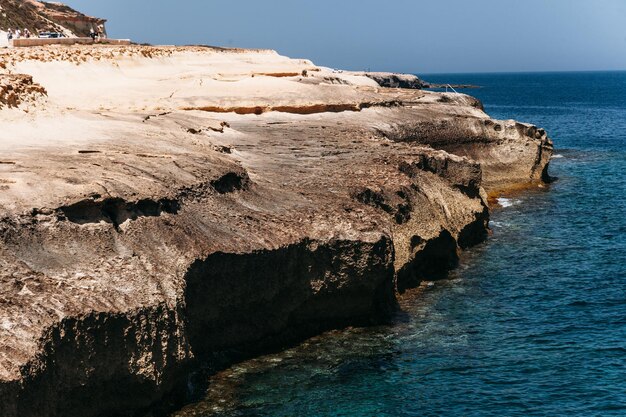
column 518, row 72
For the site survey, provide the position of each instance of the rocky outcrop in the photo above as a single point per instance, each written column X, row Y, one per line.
column 511, row 154
column 409, row 81
column 78, row 23
column 393, row 80
column 19, row 90
column 145, row 236
column 40, row 16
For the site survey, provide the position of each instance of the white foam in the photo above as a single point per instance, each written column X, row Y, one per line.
column 557, row 156
column 507, row 202
column 499, row 225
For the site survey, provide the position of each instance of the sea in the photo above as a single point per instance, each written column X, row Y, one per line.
column 532, row 323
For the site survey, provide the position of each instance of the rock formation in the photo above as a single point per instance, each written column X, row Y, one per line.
column 169, row 206
column 391, row 80
column 41, row 16
column 19, row 91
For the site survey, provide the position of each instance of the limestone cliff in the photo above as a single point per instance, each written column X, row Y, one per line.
column 163, row 207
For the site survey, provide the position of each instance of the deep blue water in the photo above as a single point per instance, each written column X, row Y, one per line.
column 534, row 321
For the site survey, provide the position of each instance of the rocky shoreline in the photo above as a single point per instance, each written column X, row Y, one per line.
column 171, row 205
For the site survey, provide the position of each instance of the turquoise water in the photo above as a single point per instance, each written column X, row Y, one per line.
column 534, row 320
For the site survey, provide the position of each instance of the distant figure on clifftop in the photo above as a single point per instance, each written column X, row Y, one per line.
column 92, row 34
column 10, row 34
column 101, row 34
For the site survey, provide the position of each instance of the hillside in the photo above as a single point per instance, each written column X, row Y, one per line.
column 42, row 16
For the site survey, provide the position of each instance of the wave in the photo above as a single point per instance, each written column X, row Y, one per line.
column 507, row 202
column 499, row 224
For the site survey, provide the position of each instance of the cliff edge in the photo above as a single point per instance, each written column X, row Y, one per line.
column 164, row 206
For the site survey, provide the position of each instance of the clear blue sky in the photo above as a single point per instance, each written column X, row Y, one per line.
column 420, row 36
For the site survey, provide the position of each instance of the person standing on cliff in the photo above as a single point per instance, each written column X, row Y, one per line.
column 92, row 34
column 101, row 34
column 10, row 34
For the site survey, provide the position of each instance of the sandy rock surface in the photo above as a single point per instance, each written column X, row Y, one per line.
column 161, row 204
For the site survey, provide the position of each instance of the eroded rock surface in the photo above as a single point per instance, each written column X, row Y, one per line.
column 393, row 80
column 148, row 223
column 18, row 90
